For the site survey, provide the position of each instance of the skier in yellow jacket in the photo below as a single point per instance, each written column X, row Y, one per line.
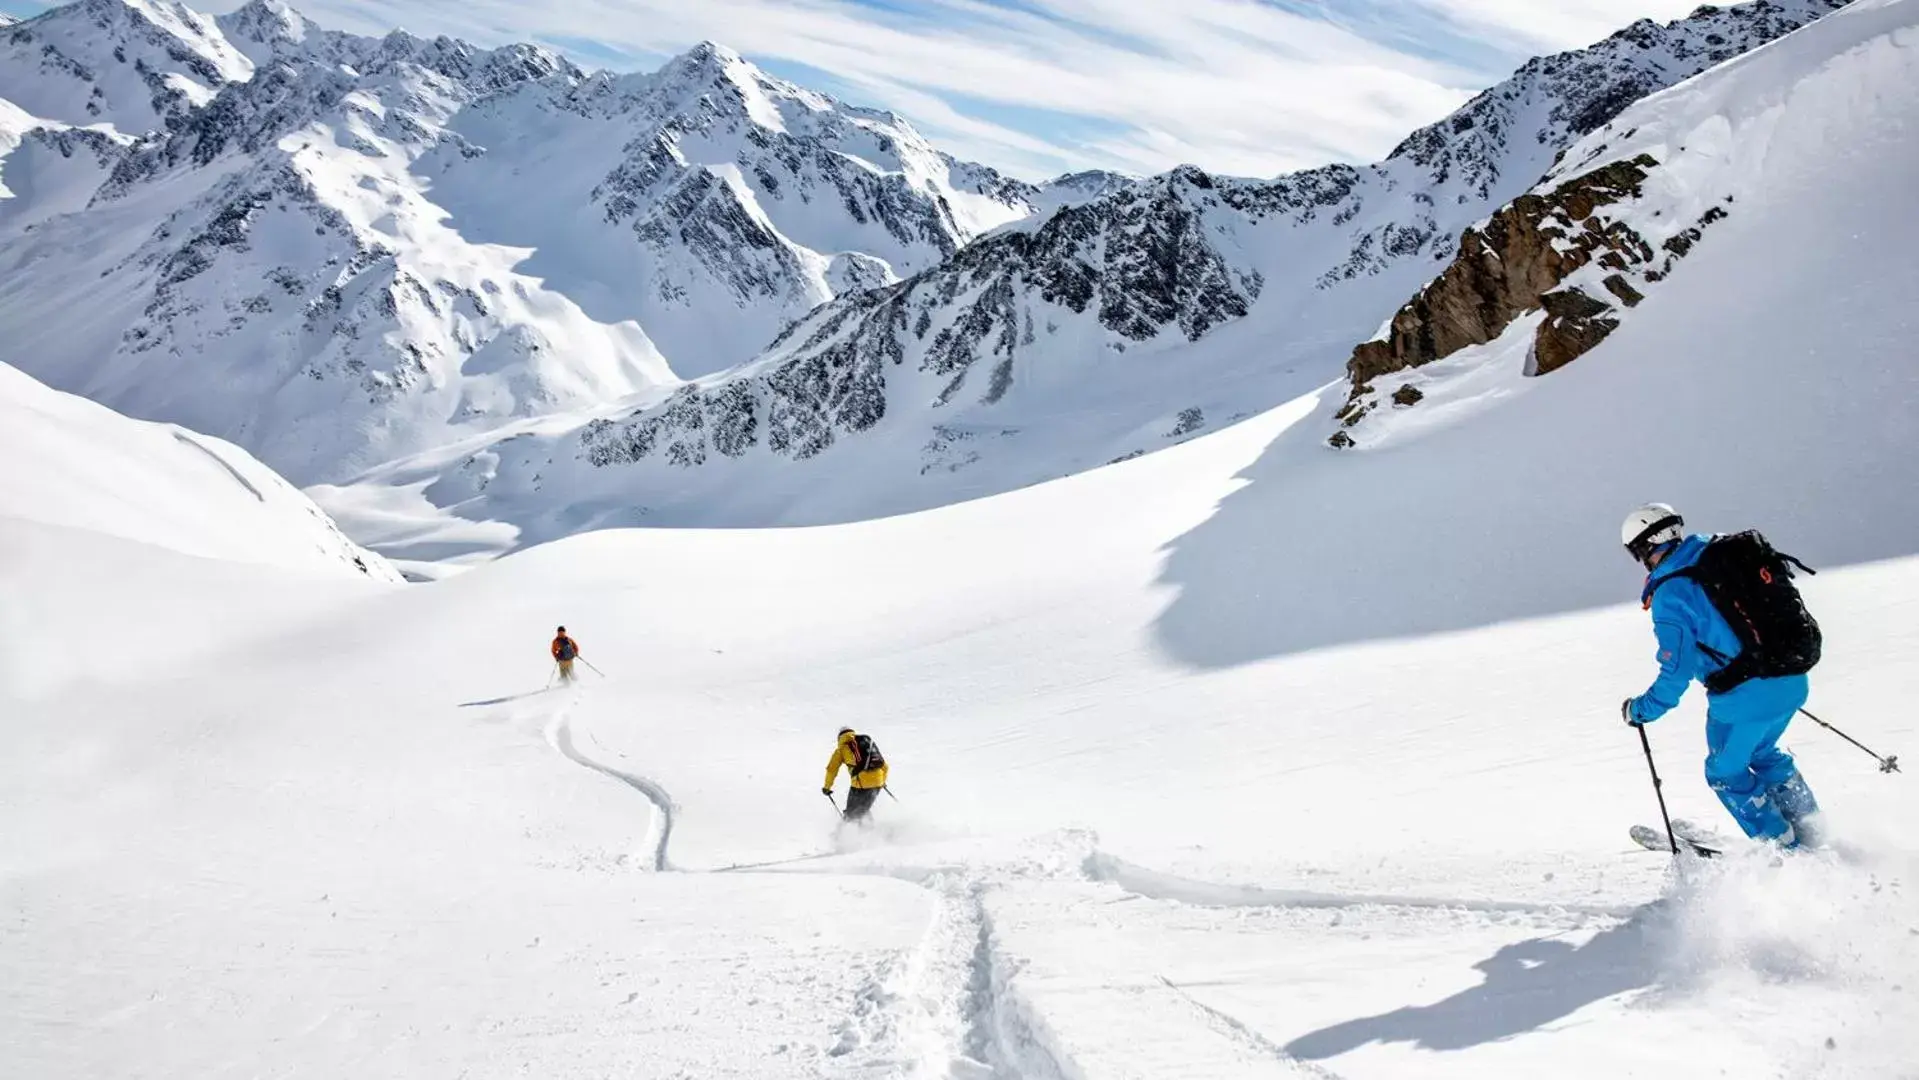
column 862, row 758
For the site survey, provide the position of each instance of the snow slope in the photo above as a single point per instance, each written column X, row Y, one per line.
column 76, row 465
column 1139, row 317
column 1393, row 859
column 97, row 512
column 1250, row 758
column 1774, row 350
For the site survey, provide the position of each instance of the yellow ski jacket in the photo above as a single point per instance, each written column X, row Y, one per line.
column 845, row 755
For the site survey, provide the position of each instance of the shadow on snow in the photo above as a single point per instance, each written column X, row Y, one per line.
column 1528, row 985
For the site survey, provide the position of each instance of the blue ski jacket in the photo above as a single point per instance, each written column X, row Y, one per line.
column 1683, row 620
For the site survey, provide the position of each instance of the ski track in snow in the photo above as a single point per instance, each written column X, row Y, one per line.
column 222, row 462
column 945, row 1005
column 559, row 734
column 1155, row 885
column 947, row 1008
column 1238, row 1030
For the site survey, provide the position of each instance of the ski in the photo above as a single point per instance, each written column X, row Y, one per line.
column 1655, row 840
column 1700, row 835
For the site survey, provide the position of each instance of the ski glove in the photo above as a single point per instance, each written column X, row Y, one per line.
column 1626, row 712
column 827, row 791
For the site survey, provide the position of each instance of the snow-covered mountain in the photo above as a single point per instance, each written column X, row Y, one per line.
column 75, row 465
column 139, row 65
column 321, row 257
column 1143, row 315
column 709, row 202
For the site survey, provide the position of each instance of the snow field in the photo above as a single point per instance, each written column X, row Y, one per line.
column 1241, row 759
column 331, row 840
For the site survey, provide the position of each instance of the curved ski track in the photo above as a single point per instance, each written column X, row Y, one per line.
column 559, row 733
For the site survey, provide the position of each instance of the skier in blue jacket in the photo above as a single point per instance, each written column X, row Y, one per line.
column 1756, row 780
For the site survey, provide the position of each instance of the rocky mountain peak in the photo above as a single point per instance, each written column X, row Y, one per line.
column 141, row 65
column 705, row 63
column 265, row 21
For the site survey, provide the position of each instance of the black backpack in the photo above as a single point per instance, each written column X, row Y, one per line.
column 568, row 650
column 866, row 754
column 1750, row 585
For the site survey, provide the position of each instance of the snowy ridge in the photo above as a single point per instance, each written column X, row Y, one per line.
column 1142, row 314
column 141, row 65
column 72, row 464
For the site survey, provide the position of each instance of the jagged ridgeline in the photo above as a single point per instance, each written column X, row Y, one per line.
column 1167, row 260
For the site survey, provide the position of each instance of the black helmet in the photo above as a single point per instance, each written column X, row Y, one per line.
column 562, row 629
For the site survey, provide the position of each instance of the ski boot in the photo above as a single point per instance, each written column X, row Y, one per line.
column 1796, row 804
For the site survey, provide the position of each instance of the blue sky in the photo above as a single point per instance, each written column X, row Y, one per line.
column 1038, row 87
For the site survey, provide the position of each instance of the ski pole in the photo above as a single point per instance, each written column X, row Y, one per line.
column 551, row 675
column 889, row 793
column 1886, row 764
column 1658, row 788
column 835, row 802
column 590, row 667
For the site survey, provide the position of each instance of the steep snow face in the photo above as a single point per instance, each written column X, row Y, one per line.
column 709, row 202
column 1553, row 275
column 140, row 65
column 1769, row 359
column 1141, row 316
column 48, row 168
column 76, row 465
column 272, row 271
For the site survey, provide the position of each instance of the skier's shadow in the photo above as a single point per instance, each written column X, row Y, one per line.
column 1528, row 984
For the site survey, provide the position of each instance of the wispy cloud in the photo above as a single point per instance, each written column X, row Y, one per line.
column 1557, row 24
column 1252, row 87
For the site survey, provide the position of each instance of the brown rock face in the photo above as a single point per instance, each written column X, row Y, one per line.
column 1505, row 270
column 1574, row 324
column 1617, row 285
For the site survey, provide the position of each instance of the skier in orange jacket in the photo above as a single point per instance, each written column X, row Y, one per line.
column 565, row 651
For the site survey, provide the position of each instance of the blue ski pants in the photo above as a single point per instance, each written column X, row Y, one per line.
column 1758, row 782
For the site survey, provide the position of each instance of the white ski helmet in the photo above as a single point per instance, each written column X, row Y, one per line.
column 1649, row 527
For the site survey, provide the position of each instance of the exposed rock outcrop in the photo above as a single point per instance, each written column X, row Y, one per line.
column 1505, row 269
column 1525, row 259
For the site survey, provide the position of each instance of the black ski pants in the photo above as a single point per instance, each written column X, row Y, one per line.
column 859, row 802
